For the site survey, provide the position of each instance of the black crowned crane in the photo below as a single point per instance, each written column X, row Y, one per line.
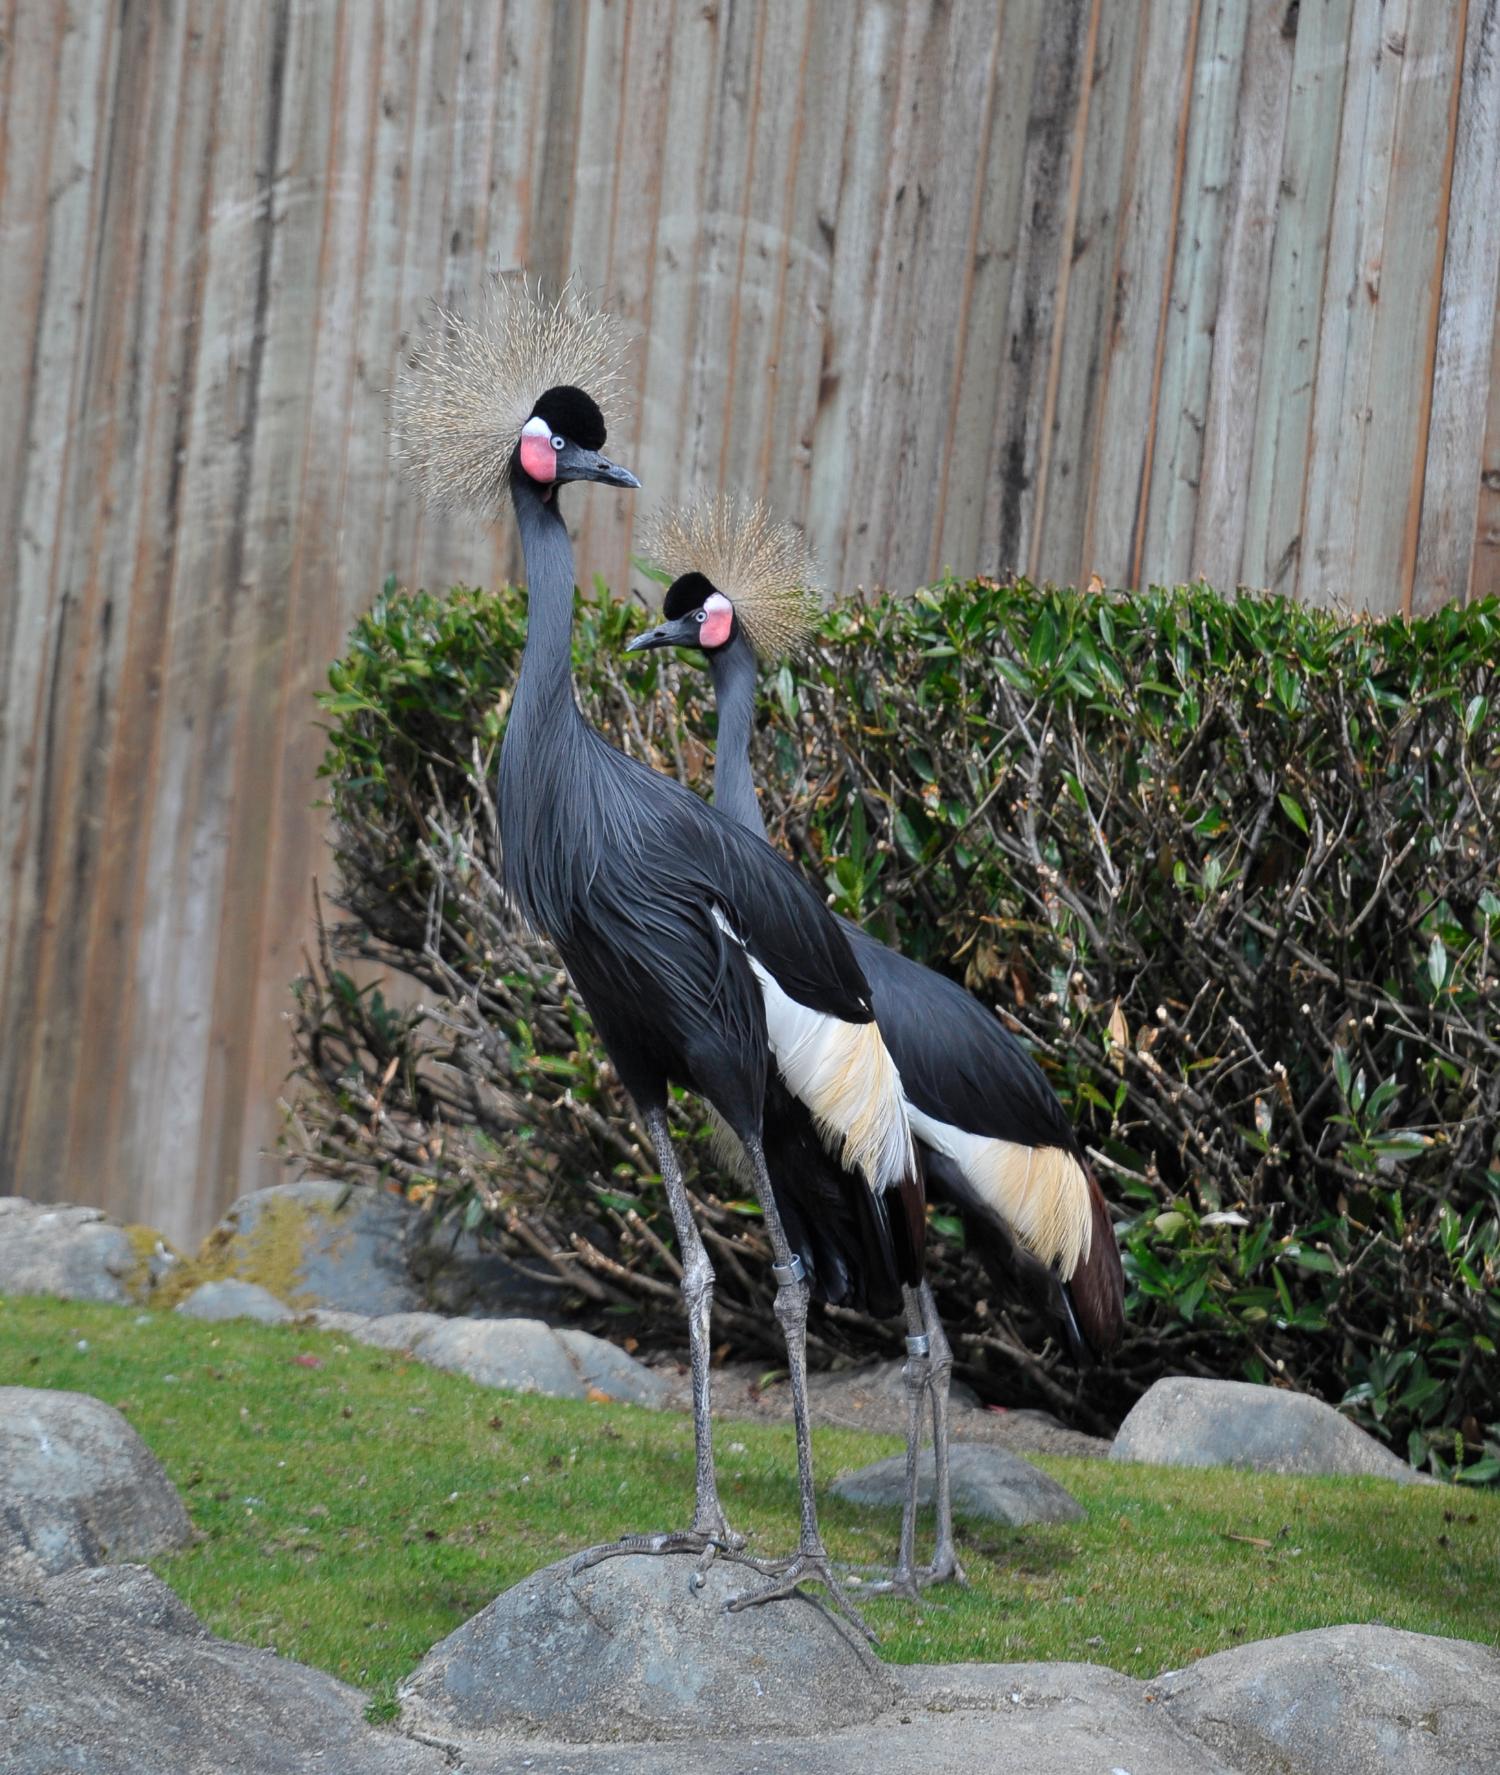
column 704, row 958
column 995, row 1141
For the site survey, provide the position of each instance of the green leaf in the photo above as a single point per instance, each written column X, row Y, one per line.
column 1293, row 811
column 1437, row 963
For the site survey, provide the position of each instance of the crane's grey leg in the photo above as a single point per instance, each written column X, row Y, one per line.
column 945, row 1563
column 929, row 1368
column 811, row 1558
column 710, row 1533
column 917, row 1375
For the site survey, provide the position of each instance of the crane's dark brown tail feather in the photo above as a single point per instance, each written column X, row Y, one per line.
column 1096, row 1289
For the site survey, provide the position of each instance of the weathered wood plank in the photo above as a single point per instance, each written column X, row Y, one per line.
column 728, row 150
column 1188, row 342
column 1404, row 340
column 155, row 295
column 1279, row 464
column 54, row 583
column 1484, row 580
column 1069, row 442
column 1052, row 175
column 921, row 286
column 810, row 202
column 1117, row 460
column 1020, row 69
column 1239, row 325
column 290, row 179
column 1356, row 250
column 1471, row 277
column 663, row 411
column 853, row 223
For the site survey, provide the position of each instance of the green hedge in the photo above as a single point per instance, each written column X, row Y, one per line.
column 1228, row 864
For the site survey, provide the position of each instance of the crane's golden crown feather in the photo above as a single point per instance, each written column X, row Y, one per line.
column 761, row 565
column 473, row 380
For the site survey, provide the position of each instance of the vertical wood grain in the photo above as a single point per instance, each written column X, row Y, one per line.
column 1057, row 284
column 1299, row 259
column 1471, row 276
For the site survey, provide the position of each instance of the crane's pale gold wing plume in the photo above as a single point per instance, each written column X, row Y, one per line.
column 762, row 565
column 473, row 380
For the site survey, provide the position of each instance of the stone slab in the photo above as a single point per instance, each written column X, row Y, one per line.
column 629, row 1650
column 1183, row 1421
column 231, row 1299
column 1359, row 1700
column 78, row 1486
column 107, row 1673
column 987, row 1482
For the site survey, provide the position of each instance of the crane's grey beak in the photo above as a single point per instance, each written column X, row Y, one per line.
column 574, row 463
column 681, row 633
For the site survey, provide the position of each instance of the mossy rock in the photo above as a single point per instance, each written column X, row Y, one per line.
column 312, row 1244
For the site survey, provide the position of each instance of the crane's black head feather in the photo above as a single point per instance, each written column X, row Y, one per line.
column 574, row 415
column 687, row 594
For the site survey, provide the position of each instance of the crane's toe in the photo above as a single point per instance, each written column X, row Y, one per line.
column 788, row 1575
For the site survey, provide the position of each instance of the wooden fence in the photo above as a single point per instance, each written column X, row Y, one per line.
column 1073, row 286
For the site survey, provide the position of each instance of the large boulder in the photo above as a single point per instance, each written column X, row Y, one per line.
column 526, row 1356
column 233, row 1299
column 987, row 1482
column 1183, row 1422
column 76, row 1253
column 105, row 1672
column 629, row 1650
column 78, row 1486
column 1361, row 1700
column 317, row 1244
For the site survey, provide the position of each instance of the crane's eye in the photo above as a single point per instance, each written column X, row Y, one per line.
column 557, row 443
column 700, row 616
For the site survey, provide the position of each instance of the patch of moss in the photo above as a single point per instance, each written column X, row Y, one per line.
column 270, row 1254
column 142, row 1284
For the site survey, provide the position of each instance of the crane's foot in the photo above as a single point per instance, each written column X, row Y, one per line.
column 706, row 1545
column 911, row 1583
column 788, row 1575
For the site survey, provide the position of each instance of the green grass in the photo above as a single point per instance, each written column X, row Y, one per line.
column 354, row 1506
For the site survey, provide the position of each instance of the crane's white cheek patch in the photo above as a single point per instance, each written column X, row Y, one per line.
column 538, row 458
column 718, row 620
column 1040, row 1192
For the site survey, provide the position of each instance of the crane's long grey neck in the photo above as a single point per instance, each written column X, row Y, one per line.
column 733, row 669
column 544, row 689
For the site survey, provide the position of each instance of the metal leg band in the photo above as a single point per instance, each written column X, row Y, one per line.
column 788, row 1273
column 919, row 1346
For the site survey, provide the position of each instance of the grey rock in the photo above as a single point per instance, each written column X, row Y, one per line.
column 520, row 1355
column 107, row 1673
column 79, row 1486
column 21, row 1572
column 319, row 1244
column 231, row 1299
column 604, row 1367
column 627, row 1650
column 1043, row 1719
column 988, row 1482
column 858, row 1388
column 348, row 1324
column 397, row 1331
column 1361, row 1700
column 74, row 1253
column 1183, row 1422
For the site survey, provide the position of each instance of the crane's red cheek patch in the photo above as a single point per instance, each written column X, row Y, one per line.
column 715, row 628
column 539, row 459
